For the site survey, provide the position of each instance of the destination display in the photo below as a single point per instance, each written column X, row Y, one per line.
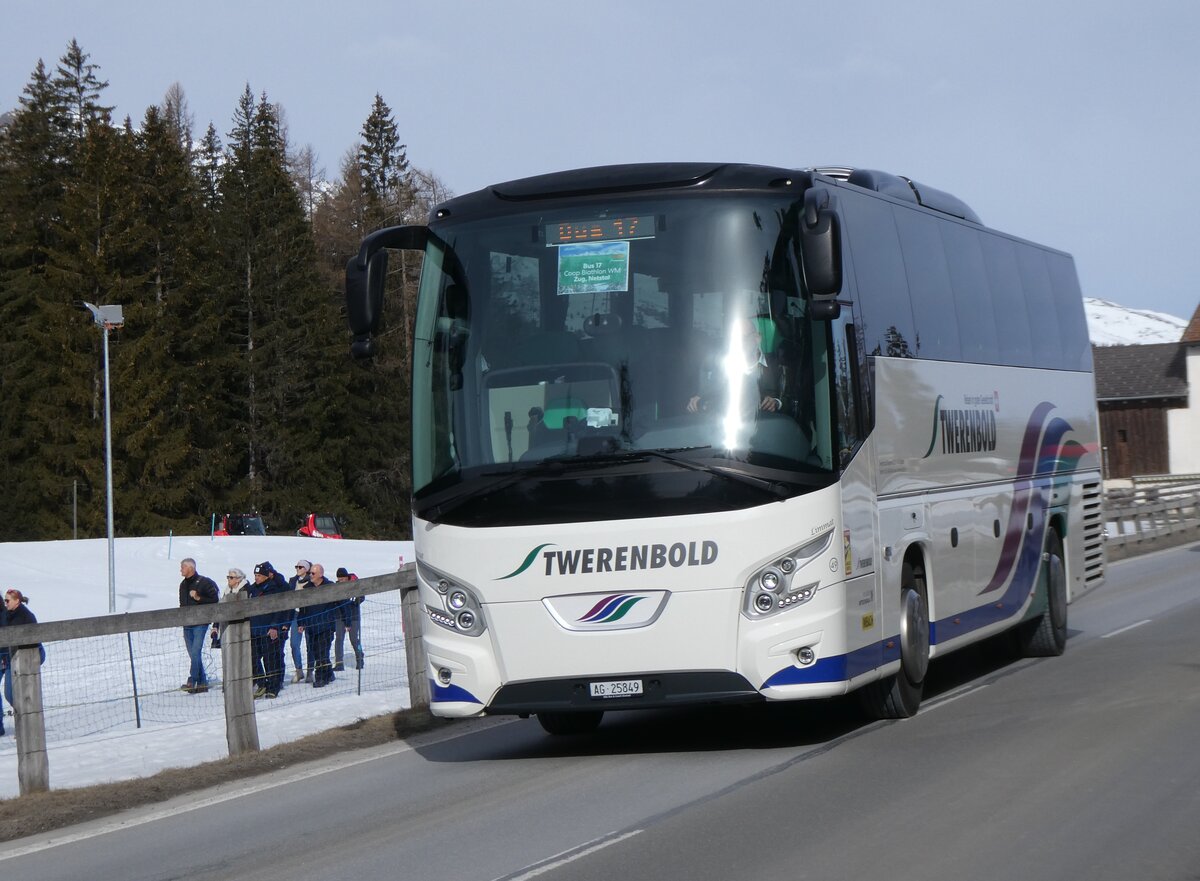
column 603, row 229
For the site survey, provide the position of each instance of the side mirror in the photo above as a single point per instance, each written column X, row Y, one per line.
column 365, row 276
column 364, row 301
column 820, row 247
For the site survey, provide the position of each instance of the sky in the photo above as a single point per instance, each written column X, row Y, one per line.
column 1071, row 123
column 69, row 579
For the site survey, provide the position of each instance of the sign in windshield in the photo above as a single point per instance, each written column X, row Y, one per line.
column 593, row 268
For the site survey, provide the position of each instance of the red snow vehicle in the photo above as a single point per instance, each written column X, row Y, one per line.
column 238, row 524
column 320, row 526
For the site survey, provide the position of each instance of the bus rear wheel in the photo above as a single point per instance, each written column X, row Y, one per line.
column 570, row 723
column 899, row 696
column 1046, row 635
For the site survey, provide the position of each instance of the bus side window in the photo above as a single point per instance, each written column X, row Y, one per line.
column 934, row 310
column 972, row 295
column 1008, row 301
column 879, row 269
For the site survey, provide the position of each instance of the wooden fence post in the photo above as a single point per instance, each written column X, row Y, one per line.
column 414, row 648
column 241, row 726
column 33, row 765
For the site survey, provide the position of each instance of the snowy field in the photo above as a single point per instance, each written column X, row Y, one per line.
column 89, row 686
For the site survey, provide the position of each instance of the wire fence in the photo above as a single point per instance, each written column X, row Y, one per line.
column 123, row 681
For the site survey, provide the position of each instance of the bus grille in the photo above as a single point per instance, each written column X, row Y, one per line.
column 1093, row 536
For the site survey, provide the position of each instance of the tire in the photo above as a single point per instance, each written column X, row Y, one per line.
column 899, row 696
column 560, row 724
column 1046, row 635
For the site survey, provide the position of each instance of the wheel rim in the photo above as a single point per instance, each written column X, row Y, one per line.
column 914, row 637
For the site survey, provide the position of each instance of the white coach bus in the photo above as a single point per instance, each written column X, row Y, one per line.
column 689, row 433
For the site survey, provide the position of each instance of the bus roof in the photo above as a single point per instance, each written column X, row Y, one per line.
column 707, row 176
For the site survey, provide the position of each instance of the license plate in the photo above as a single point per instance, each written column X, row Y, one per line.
column 617, row 688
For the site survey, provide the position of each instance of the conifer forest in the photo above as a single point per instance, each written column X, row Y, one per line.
column 232, row 385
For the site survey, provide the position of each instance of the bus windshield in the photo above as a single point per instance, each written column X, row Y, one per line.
column 640, row 337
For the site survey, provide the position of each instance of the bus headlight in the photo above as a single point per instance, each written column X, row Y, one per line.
column 457, row 609
column 776, row 586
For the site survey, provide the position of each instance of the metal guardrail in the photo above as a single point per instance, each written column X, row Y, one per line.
column 1156, row 512
column 1148, row 480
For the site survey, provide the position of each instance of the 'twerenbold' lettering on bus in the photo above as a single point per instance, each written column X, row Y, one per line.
column 630, row 558
column 968, row 431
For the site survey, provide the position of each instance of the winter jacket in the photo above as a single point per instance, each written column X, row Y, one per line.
column 20, row 615
column 318, row 616
column 204, row 586
column 260, row 624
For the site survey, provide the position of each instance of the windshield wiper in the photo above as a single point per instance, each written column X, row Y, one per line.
column 772, row 487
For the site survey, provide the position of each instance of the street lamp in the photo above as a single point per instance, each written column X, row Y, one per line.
column 108, row 317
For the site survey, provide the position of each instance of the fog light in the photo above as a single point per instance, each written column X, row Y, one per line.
column 443, row 586
column 458, row 599
column 444, row 675
column 787, row 564
column 466, row 619
column 806, row 656
column 764, row 602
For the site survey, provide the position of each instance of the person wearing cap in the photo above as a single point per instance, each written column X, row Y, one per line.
column 348, row 618
column 299, row 581
column 268, row 633
column 195, row 590
column 15, row 611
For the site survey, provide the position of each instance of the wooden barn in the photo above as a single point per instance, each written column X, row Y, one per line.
column 1149, row 402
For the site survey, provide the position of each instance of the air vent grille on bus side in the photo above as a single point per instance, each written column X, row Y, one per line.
column 1093, row 535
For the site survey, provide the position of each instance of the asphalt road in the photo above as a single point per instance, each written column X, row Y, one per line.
column 1080, row 767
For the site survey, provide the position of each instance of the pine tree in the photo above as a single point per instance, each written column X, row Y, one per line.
column 279, row 318
column 166, row 429
column 383, row 168
column 77, row 83
column 51, row 372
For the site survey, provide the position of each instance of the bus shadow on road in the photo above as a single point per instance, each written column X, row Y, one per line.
column 752, row 726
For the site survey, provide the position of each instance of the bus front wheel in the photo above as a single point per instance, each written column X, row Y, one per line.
column 571, row 723
column 899, row 696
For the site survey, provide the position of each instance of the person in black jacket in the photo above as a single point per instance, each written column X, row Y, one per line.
column 15, row 611
column 348, row 620
column 318, row 618
column 195, row 590
column 268, row 632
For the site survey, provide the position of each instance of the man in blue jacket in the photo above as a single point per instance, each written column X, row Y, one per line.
column 318, row 617
column 268, row 633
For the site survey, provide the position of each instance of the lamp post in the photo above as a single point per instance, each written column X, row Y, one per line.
column 108, row 317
